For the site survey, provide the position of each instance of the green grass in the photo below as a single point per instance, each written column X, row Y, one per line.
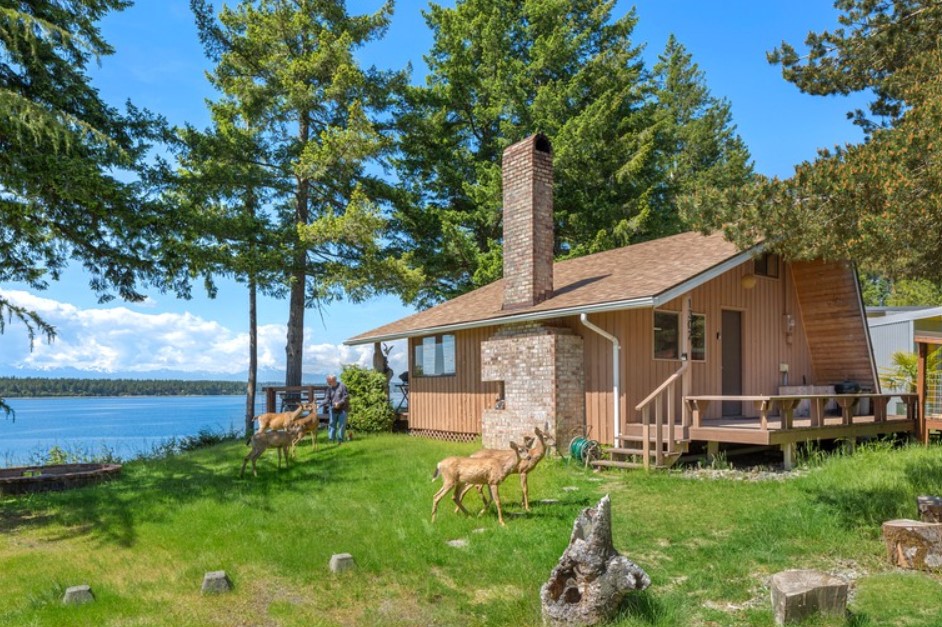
column 144, row 541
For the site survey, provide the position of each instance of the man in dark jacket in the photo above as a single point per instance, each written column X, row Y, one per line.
column 336, row 402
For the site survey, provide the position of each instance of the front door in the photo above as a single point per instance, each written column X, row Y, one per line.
column 731, row 335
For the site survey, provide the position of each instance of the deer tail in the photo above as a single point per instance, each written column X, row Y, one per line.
column 436, row 473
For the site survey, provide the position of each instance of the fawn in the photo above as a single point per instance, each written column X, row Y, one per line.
column 523, row 467
column 283, row 440
column 458, row 472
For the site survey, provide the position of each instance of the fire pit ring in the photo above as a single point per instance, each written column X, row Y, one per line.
column 25, row 479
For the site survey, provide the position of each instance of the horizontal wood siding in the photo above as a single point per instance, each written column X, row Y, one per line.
column 765, row 346
column 453, row 403
column 831, row 313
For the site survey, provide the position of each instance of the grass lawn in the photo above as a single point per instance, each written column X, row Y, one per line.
column 144, row 541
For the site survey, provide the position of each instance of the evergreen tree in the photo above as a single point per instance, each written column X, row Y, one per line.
column 877, row 202
column 289, row 67
column 72, row 174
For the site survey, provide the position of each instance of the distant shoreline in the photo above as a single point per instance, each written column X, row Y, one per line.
column 67, row 387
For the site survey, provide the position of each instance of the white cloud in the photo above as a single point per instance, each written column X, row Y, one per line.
column 119, row 341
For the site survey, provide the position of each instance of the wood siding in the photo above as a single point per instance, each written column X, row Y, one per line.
column 456, row 402
column 765, row 346
column 832, row 315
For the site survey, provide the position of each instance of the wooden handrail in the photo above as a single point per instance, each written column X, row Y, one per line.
column 662, row 387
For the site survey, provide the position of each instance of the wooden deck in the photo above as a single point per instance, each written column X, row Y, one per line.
column 776, row 424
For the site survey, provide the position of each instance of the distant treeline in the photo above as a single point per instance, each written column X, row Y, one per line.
column 12, row 387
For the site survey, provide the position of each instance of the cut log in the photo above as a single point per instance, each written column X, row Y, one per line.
column 914, row 544
column 930, row 508
column 799, row 594
column 591, row 580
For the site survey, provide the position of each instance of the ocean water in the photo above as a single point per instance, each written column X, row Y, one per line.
column 127, row 426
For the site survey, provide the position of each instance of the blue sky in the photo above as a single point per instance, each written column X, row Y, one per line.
column 159, row 65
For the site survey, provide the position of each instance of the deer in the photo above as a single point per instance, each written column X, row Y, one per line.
column 282, row 439
column 281, row 420
column 458, row 472
column 524, row 466
column 308, row 424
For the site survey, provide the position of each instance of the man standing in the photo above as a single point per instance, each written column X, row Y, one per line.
column 336, row 401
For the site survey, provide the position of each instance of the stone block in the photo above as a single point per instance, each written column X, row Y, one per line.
column 215, row 582
column 914, row 544
column 798, row 594
column 930, row 508
column 77, row 595
column 341, row 562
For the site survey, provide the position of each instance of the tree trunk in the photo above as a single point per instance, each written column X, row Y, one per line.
column 295, row 340
column 253, row 361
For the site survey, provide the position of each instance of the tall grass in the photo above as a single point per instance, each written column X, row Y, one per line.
column 144, row 541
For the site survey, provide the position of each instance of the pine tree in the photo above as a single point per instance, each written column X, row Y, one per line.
column 289, row 67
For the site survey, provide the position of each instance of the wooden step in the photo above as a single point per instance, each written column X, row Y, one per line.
column 606, row 463
column 626, row 451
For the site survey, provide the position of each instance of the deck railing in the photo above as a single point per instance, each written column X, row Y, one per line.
column 662, row 401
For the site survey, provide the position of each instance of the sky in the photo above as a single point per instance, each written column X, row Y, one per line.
column 159, row 65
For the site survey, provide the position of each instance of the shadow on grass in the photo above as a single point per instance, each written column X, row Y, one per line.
column 925, row 475
column 149, row 490
column 641, row 606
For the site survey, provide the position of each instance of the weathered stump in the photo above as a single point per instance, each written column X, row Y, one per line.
column 930, row 508
column 215, row 582
column 591, row 580
column 798, row 594
column 77, row 595
column 914, row 544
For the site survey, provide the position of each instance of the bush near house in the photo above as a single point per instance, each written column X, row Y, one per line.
column 370, row 410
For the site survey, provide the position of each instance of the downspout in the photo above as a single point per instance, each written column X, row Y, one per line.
column 616, row 351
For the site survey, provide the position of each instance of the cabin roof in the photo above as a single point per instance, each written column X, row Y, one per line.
column 641, row 275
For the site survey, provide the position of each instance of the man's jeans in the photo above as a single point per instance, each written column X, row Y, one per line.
column 336, row 424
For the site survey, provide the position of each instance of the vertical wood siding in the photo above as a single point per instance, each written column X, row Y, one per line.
column 453, row 403
column 765, row 346
column 837, row 332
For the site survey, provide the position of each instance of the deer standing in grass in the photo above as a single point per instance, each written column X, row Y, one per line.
column 458, row 472
column 282, row 439
column 536, row 452
column 281, row 420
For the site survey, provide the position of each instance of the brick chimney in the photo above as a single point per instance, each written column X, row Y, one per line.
column 527, row 174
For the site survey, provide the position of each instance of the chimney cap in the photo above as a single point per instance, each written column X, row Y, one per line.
column 542, row 143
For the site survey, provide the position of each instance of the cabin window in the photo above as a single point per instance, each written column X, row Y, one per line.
column 667, row 335
column 767, row 265
column 434, row 356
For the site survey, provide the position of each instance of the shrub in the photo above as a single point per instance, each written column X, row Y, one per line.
column 369, row 406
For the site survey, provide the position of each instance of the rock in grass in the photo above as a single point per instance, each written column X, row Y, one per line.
column 77, row 595
column 460, row 543
column 341, row 562
column 914, row 544
column 799, row 594
column 216, row 582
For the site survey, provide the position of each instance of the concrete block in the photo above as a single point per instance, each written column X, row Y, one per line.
column 930, row 508
column 77, row 595
column 798, row 594
column 341, row 562
column 215, row 582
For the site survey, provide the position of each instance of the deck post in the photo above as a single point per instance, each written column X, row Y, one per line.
column 920, row 416
column 687, row 348
column 659, row 432
column 788, row 454
column 713, row 449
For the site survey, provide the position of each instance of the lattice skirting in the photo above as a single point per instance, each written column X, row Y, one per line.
column 447, row 436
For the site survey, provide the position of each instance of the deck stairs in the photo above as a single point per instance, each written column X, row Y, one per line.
column 659, row 439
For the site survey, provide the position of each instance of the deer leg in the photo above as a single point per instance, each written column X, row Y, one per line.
column 523, row 488
column 245, row 460
column 438, row 497
column 456, row 497
column 464, row 491
column 495, row 495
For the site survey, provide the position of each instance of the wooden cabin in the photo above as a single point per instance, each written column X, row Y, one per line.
column 645, row 348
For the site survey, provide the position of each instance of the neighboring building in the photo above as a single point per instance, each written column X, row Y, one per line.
column 894, row 329
column 538, row 348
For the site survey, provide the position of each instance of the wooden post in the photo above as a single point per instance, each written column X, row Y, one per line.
column 920, row 416
column 687, row 347
column 658, row 431
column 713, row 449
column 788, row 454
column 646, row 435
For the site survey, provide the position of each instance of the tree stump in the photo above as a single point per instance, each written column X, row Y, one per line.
column 591, row 580
column 930, row 508
column 798, row 594
column 914, row 544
